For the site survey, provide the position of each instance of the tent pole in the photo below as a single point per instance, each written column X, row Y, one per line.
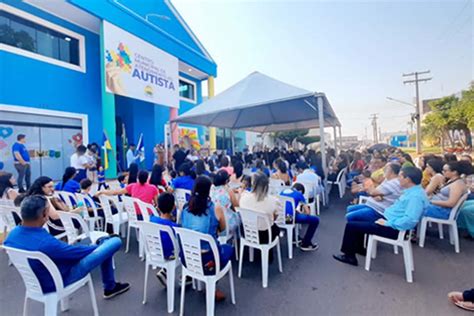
column 340, row 137
column 335, row 139
column 323, row 144
column 166, row 143
column 232, row 141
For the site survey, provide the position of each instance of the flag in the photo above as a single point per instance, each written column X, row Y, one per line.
column 124, row 145
column 141, row 149
column 106, row 147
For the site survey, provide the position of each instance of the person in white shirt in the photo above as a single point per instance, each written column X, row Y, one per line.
column 307, row 175
column 131, row 155
column 80, row 162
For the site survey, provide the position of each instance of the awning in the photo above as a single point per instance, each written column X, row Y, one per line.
column 262, row 104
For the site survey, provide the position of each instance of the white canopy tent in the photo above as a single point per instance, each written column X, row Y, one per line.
column 259, row 103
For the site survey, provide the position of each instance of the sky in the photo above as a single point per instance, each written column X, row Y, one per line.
column 353, row 51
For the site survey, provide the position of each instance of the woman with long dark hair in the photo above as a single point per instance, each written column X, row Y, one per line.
column 201, row 215
column 7, row 181
column 132, row 173
column 44, row 186
column 68, row 183
column 281, row 172
column 200, row 168
column 156, row 177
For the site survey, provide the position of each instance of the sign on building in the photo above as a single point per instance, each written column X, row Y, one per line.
column 136, row 69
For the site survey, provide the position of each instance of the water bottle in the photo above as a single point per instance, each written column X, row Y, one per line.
column 81, row 205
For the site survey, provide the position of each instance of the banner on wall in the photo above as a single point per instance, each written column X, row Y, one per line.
column 136, row 69
column 189, row 138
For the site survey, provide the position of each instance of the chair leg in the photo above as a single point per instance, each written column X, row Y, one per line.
column 374, row 249
column 451, row 234
column 128, row 238
column 25, row 306
column 368, row 256
column 93, row 299
column 51, row 306
column 210, row 297
column 440, row 230
column 231, row 283
column 407, row 260
column 64, row 304
column 455, row 237
column 280, row 266
column 265, row 267
column 242, row 246
column 412, row 261
column 318, row 206
column 145, row 283
column 236, row 248
column 170, row 281
column 183, row 290
column 422, row 232
column 289, row 236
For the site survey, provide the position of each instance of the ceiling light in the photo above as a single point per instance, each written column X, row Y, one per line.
column 67, row 39
column 190, row 69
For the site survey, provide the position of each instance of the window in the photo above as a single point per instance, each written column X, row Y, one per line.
column 187, row 90
column 27, row 35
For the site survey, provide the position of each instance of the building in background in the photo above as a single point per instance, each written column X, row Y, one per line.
column 74, row 69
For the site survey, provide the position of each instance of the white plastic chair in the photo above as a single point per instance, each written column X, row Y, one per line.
column 190, row 244
column 341, row 182
column 401, row 241
column 182, row 196
column 151, row 237
column 251, row 239
column 451, row 222
column 68, row 198
column 287, row 203
column 20, row 259
column 276, row 186
column 93, row 221
column 6, row 217
column 311, row 187
column 116, row 220
column 71, row 232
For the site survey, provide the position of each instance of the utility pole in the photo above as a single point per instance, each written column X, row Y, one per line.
column 375, row 130
column 416, row 80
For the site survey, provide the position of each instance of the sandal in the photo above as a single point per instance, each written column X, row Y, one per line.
column 467, row 308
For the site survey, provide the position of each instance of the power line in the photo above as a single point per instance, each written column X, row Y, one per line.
column 453, row 20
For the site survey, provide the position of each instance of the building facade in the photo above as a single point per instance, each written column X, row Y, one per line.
column 61, row 84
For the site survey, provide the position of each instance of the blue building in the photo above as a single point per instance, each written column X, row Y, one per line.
column 59, row 75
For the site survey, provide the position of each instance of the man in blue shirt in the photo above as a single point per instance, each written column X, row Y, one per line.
column 131, row 155
column 21, row 159
column 74, row 262
column 404, row 214
column 297, row 194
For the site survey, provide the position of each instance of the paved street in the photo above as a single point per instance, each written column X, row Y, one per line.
column 311, row 283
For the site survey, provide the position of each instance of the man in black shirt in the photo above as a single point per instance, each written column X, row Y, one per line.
column 179, row 156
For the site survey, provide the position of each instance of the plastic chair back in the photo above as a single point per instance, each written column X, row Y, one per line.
column 250, row 222
column 129, row 206
column 286, row 213
column 68, row 198
column 88, row 202
column 68, row 224
column 190, row 243
column 151, row 235
column 453, row 215
column 20, row 258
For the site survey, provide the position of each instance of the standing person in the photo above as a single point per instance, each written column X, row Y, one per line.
column 80, row 162
column 131, row 155
column 179, row 156
column 21, row 159
column 101, row 179
column 91, row 156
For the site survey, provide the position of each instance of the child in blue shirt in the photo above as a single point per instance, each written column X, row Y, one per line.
column 166, row 206
column 303, row 217
column 101, row 179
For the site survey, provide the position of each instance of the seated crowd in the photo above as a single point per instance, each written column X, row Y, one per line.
column 397, row 195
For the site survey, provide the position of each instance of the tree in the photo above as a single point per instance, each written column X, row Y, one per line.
column 308, row 140
column 289, row 136
column 449, row 114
